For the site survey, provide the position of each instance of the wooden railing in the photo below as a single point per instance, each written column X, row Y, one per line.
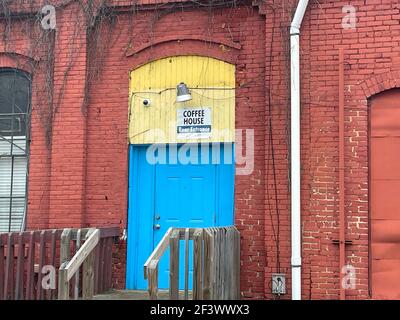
column 216, row 263
column 29, row 258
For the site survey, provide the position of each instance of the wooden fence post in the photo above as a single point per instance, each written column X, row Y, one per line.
column 63, row 283
column 53, row 251
column 207, row 265
column 77, row 246
column 30, row 267
column 174, row 265
column 65, row 246
column 153, row 279
column 9, row 286
column 88, row 277
column 42, row 253
column 65, row 250
column 198, row 264
column 20, row 269
column 186, row 292
column 1, row 267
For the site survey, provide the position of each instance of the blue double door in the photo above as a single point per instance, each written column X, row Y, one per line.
column 174, row 187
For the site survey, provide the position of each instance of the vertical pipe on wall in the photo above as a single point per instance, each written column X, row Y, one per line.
column 342, row 229
column 295, row 148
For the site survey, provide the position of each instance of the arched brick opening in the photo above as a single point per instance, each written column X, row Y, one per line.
column 163, row 48
column 384, row 183
column 17, row 61
column 381, row 82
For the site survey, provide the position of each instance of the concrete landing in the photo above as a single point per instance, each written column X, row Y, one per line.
column 134, row 295
column 123, row 295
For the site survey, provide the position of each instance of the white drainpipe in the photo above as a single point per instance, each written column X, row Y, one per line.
column 295, row 148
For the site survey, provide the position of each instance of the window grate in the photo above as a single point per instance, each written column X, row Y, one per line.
column 15, row 87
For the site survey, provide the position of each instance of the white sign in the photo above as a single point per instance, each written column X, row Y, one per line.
column 193, row 123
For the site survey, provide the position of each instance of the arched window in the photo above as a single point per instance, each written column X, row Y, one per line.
column 15, row 88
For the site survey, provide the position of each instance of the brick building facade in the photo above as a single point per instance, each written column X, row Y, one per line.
column 78, row 159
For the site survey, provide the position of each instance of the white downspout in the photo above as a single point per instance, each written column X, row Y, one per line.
column 295, row 148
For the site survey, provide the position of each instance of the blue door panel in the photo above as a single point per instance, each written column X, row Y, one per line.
column 140, row 217
column 173, row 194
column 184, row 197
column 225, row 183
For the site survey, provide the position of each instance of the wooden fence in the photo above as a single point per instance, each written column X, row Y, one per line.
column 216, row 263
column 27, row 257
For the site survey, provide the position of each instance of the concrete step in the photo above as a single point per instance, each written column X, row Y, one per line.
column 134, row 295
column 123, row 295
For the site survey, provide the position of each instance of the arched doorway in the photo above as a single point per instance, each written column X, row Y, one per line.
column 181, row 155
column 385, row 195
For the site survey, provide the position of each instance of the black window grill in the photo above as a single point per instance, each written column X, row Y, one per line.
column 15, row 90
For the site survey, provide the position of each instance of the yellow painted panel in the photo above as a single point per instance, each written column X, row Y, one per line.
column 211, row 83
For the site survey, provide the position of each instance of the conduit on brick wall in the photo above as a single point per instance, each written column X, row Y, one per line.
column 342, row 218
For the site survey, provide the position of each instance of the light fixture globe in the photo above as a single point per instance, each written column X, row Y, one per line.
column 182, row 93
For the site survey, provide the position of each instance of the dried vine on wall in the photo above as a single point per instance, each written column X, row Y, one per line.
column 92, row 19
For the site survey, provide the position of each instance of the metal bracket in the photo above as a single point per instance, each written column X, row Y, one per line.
column 336, row 241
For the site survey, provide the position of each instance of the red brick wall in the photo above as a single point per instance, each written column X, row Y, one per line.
column 81, row 179
column 107, row 145
column 18, row 50
column 371, row 66
column 57, row 139
column 277, row 143
column 68, row 145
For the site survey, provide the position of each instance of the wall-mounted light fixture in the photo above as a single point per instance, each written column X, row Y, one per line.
column 182, row 93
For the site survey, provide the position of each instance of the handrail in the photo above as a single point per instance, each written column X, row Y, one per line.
column 26, row 256
column 157, row 252
column 92, row 239
column 216, row 263
column 163, row 246
column 85, row 256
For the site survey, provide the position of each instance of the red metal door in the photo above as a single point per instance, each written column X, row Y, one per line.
column 385, row 195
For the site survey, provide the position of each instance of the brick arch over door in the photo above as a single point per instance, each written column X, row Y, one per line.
column 217, row 49
column 384, row 166
column 380, row 83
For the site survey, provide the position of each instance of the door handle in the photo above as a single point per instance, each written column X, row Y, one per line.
column 157, row 226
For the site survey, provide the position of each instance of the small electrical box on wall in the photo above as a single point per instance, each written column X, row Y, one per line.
column 278, row 283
